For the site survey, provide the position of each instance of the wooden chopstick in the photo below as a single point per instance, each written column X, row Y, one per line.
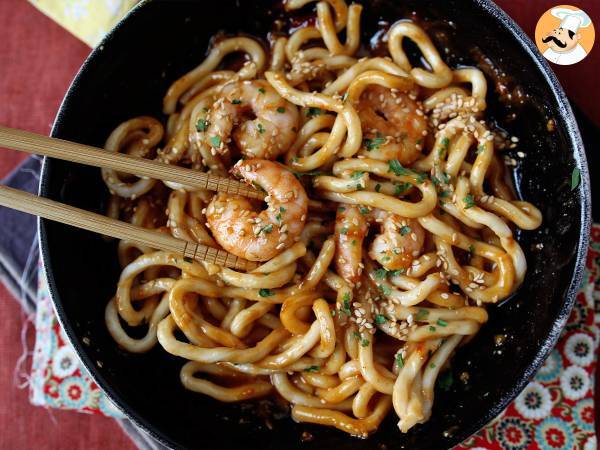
column 92, row 156
column 59, row 212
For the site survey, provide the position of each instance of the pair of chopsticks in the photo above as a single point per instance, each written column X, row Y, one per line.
column 92, row 156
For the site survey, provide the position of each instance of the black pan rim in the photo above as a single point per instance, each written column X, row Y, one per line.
column 567, row 120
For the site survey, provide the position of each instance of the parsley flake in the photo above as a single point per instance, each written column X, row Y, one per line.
column 380, row 319
column 373, row 143
column 442, row 323
column 261, row 129
column 396, row 168
column 399, row 360
column 281, row 109
column 261, row 90
column 313, row 112
column 265, row 292
column 445, row 381
column 405, row 230
column 215, row 141
column 401, row 188
column 312, row 369
column 202, row 125
column 364, row 342
column 575, row 178
column 469, row 201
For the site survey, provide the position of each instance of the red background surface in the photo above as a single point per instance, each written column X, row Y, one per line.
column 38, row 59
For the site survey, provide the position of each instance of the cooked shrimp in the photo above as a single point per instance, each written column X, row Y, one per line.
column 393, row 124
column 350, row 230
column 399, row 243
column 261, row 122
column 259, row 236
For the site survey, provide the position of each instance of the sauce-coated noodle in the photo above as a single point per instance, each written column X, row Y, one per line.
column 387, row 227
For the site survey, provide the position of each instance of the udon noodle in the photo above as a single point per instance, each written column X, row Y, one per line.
column 388, row 224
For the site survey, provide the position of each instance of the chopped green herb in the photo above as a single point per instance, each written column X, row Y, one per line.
column 357, row 174
column 278, row 217
column 431, row 328
column 281, row 109
column 445, row 380
column 445, row 142
column 265, row 292
column 399, row 360
column 281, row 209
column 215, row 141
column 344, row 230
column 421, row 177
column 364, row 342
column 386, row 258
column 187, row 259
column 205, row 109
column 202, row 125
column 419, row 141
column 396, row 168
column 445, row 178
column 341, row 209
column 266, row 229
column 444, row 194
column 261, row 90
column 396, row 251
column 372, row 144
column 364, row 210
column 421, row 314
column 401, row 188
column 356, row 335
column 575, row 178
column 471, row 251
column 377, row 187
column 442, row 323
column 261, row 129
column 353, row 243
column 347, row 304
column 436, row 180
column 385, row 290
column 380, row 319
column 405, row 230
column 236, row 102
column 313, row 112
column 312, row 369
column 432, row 365
column 469, row 201
column 394, row 273
column 380, row 274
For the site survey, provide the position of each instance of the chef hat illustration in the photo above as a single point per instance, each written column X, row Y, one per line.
column 570, row 19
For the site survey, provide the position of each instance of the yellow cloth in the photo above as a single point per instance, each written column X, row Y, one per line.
column 89, row 20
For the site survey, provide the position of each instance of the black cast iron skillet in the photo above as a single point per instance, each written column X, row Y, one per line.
column 127, row 76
